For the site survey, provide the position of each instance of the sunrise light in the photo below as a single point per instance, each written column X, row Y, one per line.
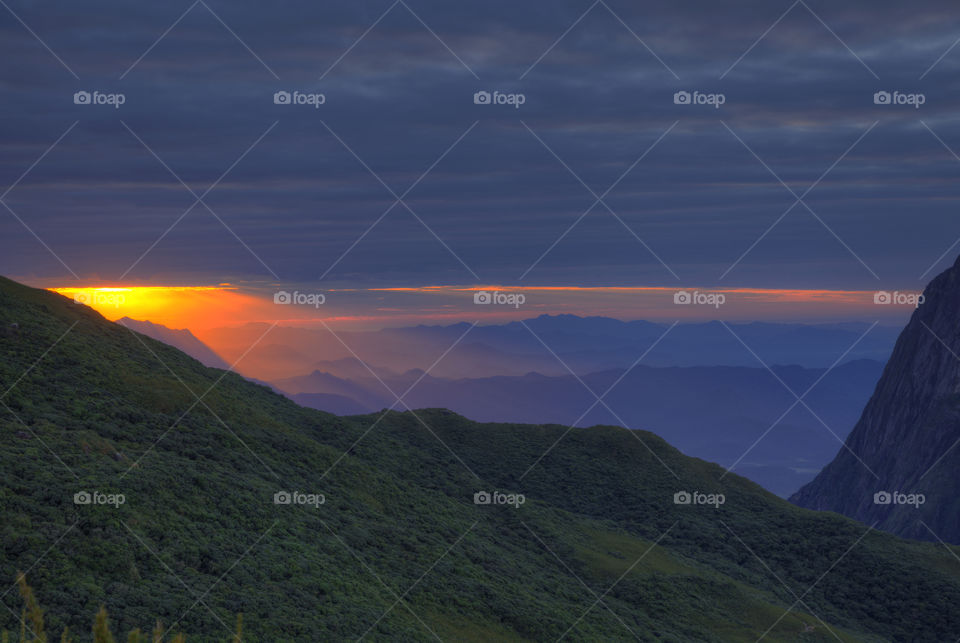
column 173, row 306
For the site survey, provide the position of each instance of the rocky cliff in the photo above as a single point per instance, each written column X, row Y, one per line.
column 900, row 466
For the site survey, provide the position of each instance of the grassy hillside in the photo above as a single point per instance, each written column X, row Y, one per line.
column 398, row 550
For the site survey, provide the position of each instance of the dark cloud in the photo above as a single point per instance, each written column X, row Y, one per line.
column 298, row 199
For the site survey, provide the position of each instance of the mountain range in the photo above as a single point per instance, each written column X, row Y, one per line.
column 181, row 339
column 549, row 345
column 728, row 403
column 718, row 412
column 401, row 525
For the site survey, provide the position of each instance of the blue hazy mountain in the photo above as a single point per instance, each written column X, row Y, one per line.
column 715, row 412
column 548, row 345
column 707, row 393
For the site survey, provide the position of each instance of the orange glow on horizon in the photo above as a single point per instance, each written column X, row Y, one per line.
column 204, row 308
column 193, row 307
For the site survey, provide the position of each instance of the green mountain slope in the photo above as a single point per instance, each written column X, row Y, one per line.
column 398, row 550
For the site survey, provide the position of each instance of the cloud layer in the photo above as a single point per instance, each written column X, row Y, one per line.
column 599, row 178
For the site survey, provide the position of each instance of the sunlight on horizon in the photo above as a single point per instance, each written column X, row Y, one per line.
column 193, row 307
column 201, row 308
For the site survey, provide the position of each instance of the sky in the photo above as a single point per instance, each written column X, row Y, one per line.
column 388, row 168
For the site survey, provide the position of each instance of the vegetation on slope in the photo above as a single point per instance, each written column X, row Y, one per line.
column 398, row 550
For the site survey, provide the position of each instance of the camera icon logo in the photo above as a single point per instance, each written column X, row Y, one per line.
column 281, row 98
column 282, row 498
column 882, row 498
column 481, row 98
column 482, row 297
column 682, row 498
column 482, row 498
column 682, row 297
column 282, row 297
column 881, row 98
column 81, row 98
column 82, row 498
column 882, row 297
column 681, row 98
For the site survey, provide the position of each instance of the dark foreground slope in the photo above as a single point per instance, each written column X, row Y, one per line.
column 905, row 445
column 399, row 550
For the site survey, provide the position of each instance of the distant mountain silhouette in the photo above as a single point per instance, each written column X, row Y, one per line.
column 546, row 344
column 907, row 438
column 182, row 339
column 711, row 412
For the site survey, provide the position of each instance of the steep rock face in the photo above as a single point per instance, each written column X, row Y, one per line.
column 906, row 441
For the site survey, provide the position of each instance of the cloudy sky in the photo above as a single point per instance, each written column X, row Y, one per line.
column 798, row 180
